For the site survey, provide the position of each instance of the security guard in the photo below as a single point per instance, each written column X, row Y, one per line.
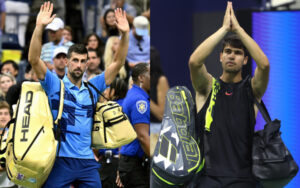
column 133, row 166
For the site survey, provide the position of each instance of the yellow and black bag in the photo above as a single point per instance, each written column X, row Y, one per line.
column 177, row 156
column 31, row 144
column 111, row 128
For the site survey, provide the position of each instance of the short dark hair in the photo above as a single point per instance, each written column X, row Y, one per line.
column 234, row 41
column 121, row 88
column 139, row 69
column 77, row 48
column 68, row 28
column 13, row 63
column 93, row 50
column 28, row 68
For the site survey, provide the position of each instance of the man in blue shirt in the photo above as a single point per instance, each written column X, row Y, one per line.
column 75, row 163
column 55, row 29
column 133, row 170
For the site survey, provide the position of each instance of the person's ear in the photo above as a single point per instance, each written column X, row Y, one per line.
column 141, row 79
column 221, row 54
column 245, row 60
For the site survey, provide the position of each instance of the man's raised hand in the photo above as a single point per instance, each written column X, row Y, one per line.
column 44, row 17
column 234, row 23
column 226, row 21
column 121, row 20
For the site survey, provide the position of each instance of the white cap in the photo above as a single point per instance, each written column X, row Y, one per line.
column 56, row 24
column 60, row 50
column 141, row 24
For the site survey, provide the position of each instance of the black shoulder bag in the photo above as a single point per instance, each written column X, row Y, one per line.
column 273, row 164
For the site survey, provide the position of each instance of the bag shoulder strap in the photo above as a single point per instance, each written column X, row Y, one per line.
column 209, row 111
column 94, row 87
column 61, row 102
column 91, row 94
column 57, row 122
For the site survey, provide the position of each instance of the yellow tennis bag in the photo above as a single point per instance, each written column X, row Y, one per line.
column 111, row 128
column 31, row 143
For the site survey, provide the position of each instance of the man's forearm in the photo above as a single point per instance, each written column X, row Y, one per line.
column 122, row 50
column 254, row 50
column 35, row 45
column 206, row 47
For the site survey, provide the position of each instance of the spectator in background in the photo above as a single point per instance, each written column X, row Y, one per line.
column 133, row 168
column 109, row 158
column 111, row 47
column 67, row 34
column 6, row 81
column 139, row 42
column 10, row 67
column 159, row 89
column 93, row 65
column 130, row 10
column 17, row 23
column 30, row 74
column 14, row 91
column 109, row 28
column 60, row 61
column 2, row 23
column 5, row 117
column 94, row 42
column 55, row 29
column 147, row 14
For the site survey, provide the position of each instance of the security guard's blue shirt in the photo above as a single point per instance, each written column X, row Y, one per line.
column 137, row 107
column 76, row 122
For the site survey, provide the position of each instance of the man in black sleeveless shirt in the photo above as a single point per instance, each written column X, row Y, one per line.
column 228, row 142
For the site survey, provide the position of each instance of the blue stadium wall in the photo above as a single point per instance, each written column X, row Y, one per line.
column 278, row 34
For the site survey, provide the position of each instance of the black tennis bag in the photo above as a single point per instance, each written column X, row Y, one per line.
column 273, row 164
column 177, row 157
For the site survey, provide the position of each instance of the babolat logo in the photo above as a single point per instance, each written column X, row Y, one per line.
column 26, row 117
column 178, row 108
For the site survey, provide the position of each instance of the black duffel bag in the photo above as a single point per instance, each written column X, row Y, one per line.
column 273, row 164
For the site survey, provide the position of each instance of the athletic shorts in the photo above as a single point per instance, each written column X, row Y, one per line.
column 77, row 172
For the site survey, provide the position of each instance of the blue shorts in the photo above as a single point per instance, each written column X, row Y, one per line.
column 70, row 171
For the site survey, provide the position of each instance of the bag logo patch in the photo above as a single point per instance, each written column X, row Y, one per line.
column 20, row 176
column 141, row 106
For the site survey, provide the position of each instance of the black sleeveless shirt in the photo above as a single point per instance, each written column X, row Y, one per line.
column 228, row 145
